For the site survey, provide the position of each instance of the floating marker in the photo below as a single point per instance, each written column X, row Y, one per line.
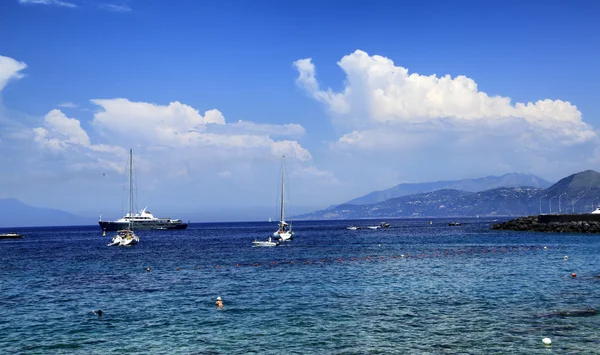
column 547, row 341
column 566, row 257
column 573, row 275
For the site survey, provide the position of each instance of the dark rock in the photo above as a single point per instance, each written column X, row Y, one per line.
column 532, row 224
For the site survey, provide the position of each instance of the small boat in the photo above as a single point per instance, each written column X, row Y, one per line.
column 596, row 211
column 373, row 227
column 284, row 232
column 353, row 228
column 266, row 243
column 11, row 236
column 384, row 225
column 453, row 224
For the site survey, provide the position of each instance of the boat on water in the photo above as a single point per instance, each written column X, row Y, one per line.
column 384, row 225
column 284, row 231
column 353, row 228
column 454, row 224
column 143, row 221
column 265, row 243
column 11, row 236
column 596, row 211
column 373, row 227
column 126, row 237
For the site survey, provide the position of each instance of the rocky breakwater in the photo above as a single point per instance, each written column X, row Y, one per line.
column 532, row 223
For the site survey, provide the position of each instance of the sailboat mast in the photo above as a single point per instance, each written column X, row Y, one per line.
column 130, row 188
column 282, row 189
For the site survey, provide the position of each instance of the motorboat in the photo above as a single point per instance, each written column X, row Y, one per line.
column 373, row 227
column 596, row 211
column 11, row 236
column 265, row 243
column 353, row 228
column 384, row 225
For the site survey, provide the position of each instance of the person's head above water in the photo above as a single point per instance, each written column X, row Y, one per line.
column 218, row 298
column 99, row 313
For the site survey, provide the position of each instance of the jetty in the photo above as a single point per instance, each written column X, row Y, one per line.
column 560, row 223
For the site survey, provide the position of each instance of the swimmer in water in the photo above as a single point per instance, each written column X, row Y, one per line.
column 98, row 313
column 219, row 303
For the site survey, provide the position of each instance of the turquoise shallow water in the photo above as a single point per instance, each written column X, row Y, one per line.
column 462, row 290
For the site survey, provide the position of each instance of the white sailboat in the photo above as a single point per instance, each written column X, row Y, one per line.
column 284, row 232
column 127, row 237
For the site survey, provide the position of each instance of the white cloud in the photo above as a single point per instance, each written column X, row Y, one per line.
column 48, row 2
column 60, row 132
column 290, row 129
column 420, row 127
column 115, row 7
column 378, row 91
column 313, row 173
column 10, row 69
column 67, row 105
column 225, row 174
column 181, row 126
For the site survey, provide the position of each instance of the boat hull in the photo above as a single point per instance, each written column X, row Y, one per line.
column 11, row 236
column 111, row 226
column 264, row 244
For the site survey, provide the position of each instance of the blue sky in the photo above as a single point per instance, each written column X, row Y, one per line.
column 349, row 119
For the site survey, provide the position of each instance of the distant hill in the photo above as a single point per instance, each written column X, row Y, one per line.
column 578, row 193
column 469, row 185
column 14, row 213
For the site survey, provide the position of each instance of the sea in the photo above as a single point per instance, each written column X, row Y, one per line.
column 417, row 287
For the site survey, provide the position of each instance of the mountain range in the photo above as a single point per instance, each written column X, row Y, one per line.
column 578, row 193
column 14, row 213
column 469, row 185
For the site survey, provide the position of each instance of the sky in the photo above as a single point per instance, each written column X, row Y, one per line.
column 358, row 95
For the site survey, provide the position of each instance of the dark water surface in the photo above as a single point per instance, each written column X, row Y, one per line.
column 463, row 289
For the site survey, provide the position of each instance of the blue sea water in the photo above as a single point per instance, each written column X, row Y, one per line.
column 413, row 288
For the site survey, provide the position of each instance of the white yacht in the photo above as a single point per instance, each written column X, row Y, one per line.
column 143, row 221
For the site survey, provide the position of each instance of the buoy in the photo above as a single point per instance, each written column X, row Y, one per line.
column 216, row 267
column 430, row 222
column 566, row 257
column 546, row 248
column 236, row 265
column 547, row 341
column 379, row 244
column 573, row 275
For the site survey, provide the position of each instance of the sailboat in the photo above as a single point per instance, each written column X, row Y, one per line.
column 127, row 237
column 284, row 232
